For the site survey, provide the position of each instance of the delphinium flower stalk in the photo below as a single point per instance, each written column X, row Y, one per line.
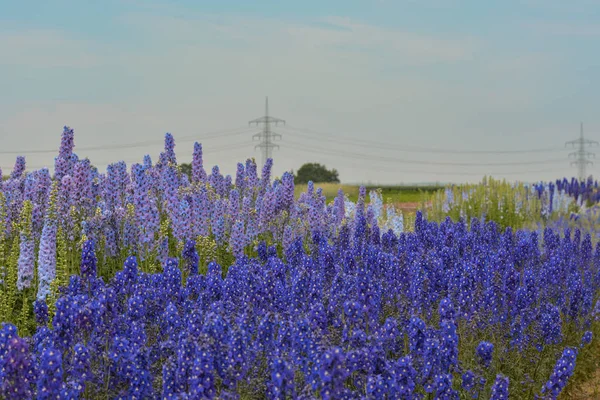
column 586, row 339
column 146, row 210
column 198, row 172
column 563, row 370
column 36, row 189
column 240, row 178
column 216, row 180
column 338, row 207
column 252, row 176
column 170, row 149
column 147, row 163
column 234, row 204
column 181, row 220
column 267, row 211
column 485, row 352
column 218, row 222
column 169, row 187
column 50, row 383
column 17, row 365
column 287, row 180
column 265, row 179
column 13, row 191
column 190, row 257
column 27, row 248
column 500, row 388
column 81, row 188
column 47, row 250
column 551, row 325
column 112, row 186
column 40, row 310
column 80, row 371
column 19, row 168
column 227, row 185
column 62, row 163
column 64, row 204
column 238, row 239
column 89, row 262
column 202, row 209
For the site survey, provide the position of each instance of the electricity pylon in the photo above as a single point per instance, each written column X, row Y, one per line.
column 581, row 155
column 267, row 136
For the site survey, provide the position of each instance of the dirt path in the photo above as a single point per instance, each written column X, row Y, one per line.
column 588, row 390
column 408, row 207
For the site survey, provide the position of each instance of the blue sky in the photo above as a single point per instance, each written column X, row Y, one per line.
column 349, row 77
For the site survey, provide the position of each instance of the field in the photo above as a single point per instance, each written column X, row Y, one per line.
column 405, row 198
column 144, row 282
column 393, row 194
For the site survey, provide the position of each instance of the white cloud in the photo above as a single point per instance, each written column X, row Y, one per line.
column 47, row 49
column 412, row 48
column 329, row 36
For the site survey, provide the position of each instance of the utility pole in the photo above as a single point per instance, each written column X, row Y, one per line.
column 267, row 136
column 581, row 155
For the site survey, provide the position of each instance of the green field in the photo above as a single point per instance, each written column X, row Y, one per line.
column 391, row 194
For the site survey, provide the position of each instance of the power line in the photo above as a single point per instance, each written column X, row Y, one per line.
column 458, row 173
column 582, row 156
column 372, row 167
column 211, row 150
column 415, row 149
column 266, row 136
column 300, row 146
column 188, row 138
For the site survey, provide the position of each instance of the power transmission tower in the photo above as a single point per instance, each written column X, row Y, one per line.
column 581, row 155
column 267, row 136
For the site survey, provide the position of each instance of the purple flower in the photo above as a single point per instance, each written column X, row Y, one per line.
column 50, row 383
column 198, row 172
column 485, row 351
column 40, row 310
column 17, row 366
column 238, row 239
column 190, row 257
column 88, row 261
column 551, row 324
column 500, row 388
column 19, row 168
column 586, row 339
column 563, row 370
column 47, row 259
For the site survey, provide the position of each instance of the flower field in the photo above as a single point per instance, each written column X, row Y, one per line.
column 145, row 283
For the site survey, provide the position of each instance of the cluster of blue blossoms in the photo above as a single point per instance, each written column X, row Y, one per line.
column 444, row 311
column 316, row 300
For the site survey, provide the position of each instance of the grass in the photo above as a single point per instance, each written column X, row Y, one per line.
column 391, row 194
column 330, row 190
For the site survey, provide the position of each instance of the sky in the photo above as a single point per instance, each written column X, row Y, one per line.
column 385, row 92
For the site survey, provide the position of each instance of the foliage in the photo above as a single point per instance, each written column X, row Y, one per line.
column 316, row 173
column 186, row 168
column 513, row 205
column 390, row 194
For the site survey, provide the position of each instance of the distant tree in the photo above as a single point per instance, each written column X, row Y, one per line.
column 317, row 173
